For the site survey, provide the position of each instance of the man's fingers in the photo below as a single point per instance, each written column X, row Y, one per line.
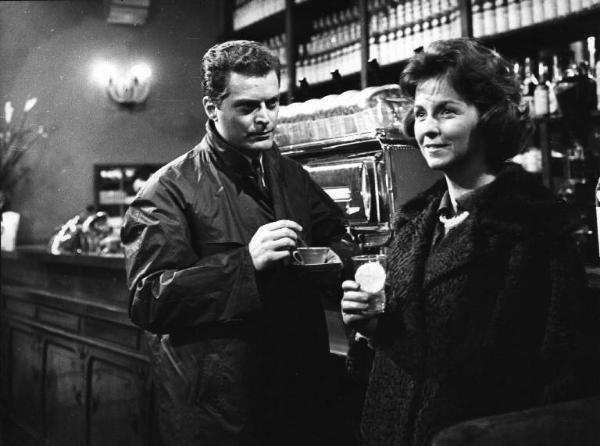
column 279, row 224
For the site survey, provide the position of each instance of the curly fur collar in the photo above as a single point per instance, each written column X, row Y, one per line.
column 516, row 202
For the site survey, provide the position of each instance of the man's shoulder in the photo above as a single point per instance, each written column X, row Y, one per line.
column 187, row 167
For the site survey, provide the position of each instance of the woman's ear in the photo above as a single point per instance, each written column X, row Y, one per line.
column 210, row 108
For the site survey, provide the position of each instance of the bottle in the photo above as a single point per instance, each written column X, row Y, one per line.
column 551, row 82
column 477, row 19
column 541, row 94
column 597, row 72
column 514, row 16
column 537, row 10
column 528, row 86
column 501, row 16
column 550, row 9
column 489, row 22
column 526, row 12
column 597, row 202
column 562, row 7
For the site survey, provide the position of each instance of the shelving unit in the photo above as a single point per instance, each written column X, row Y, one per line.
column 295, row 23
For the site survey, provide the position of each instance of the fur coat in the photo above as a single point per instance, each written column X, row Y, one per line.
column 495, row 318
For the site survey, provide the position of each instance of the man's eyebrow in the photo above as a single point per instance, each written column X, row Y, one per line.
column 248, row 101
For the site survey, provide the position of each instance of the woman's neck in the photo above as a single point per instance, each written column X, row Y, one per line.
column 458, row 187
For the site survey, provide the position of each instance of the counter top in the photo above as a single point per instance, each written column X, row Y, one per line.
column 40, row 253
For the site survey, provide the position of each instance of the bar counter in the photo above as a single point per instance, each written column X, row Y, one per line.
column 73, row 368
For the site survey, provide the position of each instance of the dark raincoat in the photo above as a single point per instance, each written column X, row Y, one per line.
column 242, row 358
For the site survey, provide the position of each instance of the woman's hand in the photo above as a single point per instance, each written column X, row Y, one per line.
column 354, row 304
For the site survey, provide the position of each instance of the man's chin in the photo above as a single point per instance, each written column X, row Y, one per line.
column 260, row 145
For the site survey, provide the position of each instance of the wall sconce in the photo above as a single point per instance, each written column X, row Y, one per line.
column 127, row 88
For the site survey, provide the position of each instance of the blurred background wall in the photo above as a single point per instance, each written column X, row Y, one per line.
column 47, row 50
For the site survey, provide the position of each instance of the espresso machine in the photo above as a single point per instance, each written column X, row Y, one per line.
column 352, row 145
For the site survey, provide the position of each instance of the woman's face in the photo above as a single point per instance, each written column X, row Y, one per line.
column 445, row 129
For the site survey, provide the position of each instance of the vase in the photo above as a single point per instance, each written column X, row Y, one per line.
column 10, row 227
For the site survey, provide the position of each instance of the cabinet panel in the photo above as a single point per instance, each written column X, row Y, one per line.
column 65, row 396
column 117, row 413
column 24, row 369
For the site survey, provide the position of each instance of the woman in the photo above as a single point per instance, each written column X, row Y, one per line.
column 486, row 309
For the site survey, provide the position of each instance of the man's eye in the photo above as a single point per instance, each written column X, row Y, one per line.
column 272, row 105
column 246, row 109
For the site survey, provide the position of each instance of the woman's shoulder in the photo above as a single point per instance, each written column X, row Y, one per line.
column 517, row 201
column 418, row 204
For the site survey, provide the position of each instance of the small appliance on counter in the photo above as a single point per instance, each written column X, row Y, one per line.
column 89, row 232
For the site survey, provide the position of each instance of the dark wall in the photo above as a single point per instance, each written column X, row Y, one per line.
column 47, row 50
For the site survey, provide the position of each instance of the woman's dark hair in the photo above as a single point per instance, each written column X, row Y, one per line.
column 481, row 77
column 240, row 56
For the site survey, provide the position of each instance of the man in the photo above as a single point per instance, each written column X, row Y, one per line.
column 241, row 345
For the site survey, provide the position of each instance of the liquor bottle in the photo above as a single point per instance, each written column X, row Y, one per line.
column 501, row 14
column 562, row 7
column 477, row 19
column 575, row 5
column 537, row 10
column 541, row 94
column 552, row 80
column 597, row 202
column 528, row 86
column 514, row 16
column 597, row 73
column 550, row 9
column 526, row 12
column 489, row 22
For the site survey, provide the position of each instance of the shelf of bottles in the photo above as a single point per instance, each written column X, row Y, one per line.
column 396, row 28
column 333, row 45
column 277, row 45
column 491, row 17
column 247, row 12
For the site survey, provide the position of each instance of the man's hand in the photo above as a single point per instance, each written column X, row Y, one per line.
column 272, row 242
column 354, row 303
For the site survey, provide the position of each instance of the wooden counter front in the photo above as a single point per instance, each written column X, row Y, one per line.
column 73, row 368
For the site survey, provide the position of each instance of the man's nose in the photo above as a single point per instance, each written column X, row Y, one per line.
column 262, row 115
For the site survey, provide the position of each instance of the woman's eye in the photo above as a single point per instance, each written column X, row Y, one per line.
column 419, row 114
column 447, row 112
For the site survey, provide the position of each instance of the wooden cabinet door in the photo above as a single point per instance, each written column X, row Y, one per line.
column 65, row 395
column 118, row 412
column 25, row 371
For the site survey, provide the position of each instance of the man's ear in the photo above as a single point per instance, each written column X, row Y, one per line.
column 210, row 108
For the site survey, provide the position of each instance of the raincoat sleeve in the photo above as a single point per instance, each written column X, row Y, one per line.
column 172, row 288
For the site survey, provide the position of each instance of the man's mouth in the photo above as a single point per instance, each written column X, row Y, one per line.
column 260, row 135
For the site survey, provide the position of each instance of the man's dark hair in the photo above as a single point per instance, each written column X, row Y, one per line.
column 240, row 56
column 481, row 77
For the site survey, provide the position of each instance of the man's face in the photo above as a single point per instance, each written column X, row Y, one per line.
column 247, row 116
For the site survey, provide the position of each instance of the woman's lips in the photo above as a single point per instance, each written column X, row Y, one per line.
column 436, row 147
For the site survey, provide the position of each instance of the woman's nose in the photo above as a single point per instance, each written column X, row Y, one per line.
column 431, row 127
